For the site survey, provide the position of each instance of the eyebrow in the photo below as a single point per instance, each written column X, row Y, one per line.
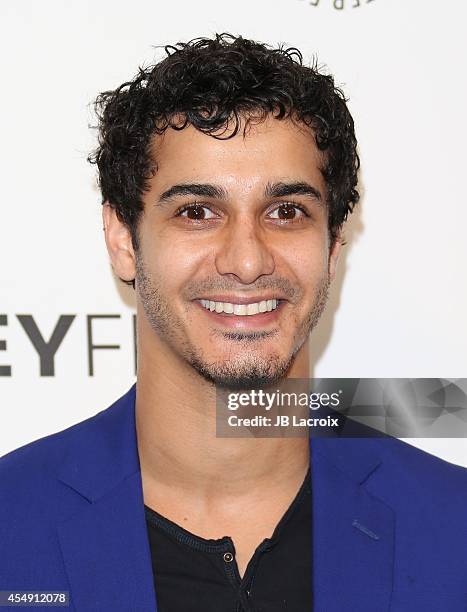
column 281, row 190
column 203, row 190
column 208, row 190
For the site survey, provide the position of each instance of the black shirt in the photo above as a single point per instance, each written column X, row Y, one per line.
column 192, row 574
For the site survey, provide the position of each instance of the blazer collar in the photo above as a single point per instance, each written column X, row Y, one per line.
column 353, row 529
column 102, row 450
column 104, row 544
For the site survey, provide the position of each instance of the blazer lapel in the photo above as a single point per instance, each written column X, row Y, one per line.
column 104, row 543
column 353, row 531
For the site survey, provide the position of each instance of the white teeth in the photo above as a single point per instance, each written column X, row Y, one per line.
column 252, row 309
column 240, row 309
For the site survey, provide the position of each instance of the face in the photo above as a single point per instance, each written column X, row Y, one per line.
column 234, row 257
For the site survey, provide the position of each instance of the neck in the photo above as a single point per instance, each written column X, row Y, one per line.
column 176, row 433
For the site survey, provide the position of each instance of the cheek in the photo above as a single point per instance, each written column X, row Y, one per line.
column 171, row 260
column 307, row 261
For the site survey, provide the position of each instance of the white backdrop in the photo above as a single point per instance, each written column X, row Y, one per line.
column 399, row 303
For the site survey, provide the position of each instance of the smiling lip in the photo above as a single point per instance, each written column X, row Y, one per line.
column 242, row 299
column 259, row 320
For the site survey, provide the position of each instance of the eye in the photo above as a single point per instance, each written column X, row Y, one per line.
column 288, row 212
column 196, row 212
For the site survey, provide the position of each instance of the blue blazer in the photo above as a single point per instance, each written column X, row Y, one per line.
column 389, row 522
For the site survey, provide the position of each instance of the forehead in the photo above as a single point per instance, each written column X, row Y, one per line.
column 270, row 150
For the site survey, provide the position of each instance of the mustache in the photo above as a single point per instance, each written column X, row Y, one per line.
column 193, row 289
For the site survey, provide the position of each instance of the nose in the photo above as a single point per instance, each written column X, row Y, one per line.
column 244, row 253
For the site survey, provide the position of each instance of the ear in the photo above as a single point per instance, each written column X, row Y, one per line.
column 119, row 245
column 336, row 247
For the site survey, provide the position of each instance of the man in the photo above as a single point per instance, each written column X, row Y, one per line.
column 227, row 171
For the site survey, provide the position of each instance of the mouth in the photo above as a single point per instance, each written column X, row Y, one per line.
column 241, row 310
column 239, row 313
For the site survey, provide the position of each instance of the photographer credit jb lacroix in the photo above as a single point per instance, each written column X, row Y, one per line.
column 227, row 172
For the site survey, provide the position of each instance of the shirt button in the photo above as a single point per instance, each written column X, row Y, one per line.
column 228, row 557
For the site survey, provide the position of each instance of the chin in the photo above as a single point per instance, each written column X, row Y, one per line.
column 256, row 371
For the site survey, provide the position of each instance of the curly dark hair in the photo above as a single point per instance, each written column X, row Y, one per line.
column 213, row 84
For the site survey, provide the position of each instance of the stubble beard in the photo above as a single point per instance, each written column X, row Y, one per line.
column 247, row 368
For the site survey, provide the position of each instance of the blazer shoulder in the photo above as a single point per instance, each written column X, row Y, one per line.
column 29, row 473
column 37, row 480
column 400, row 452
column 37, row 455
column 409, row 469
column 46, row 451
